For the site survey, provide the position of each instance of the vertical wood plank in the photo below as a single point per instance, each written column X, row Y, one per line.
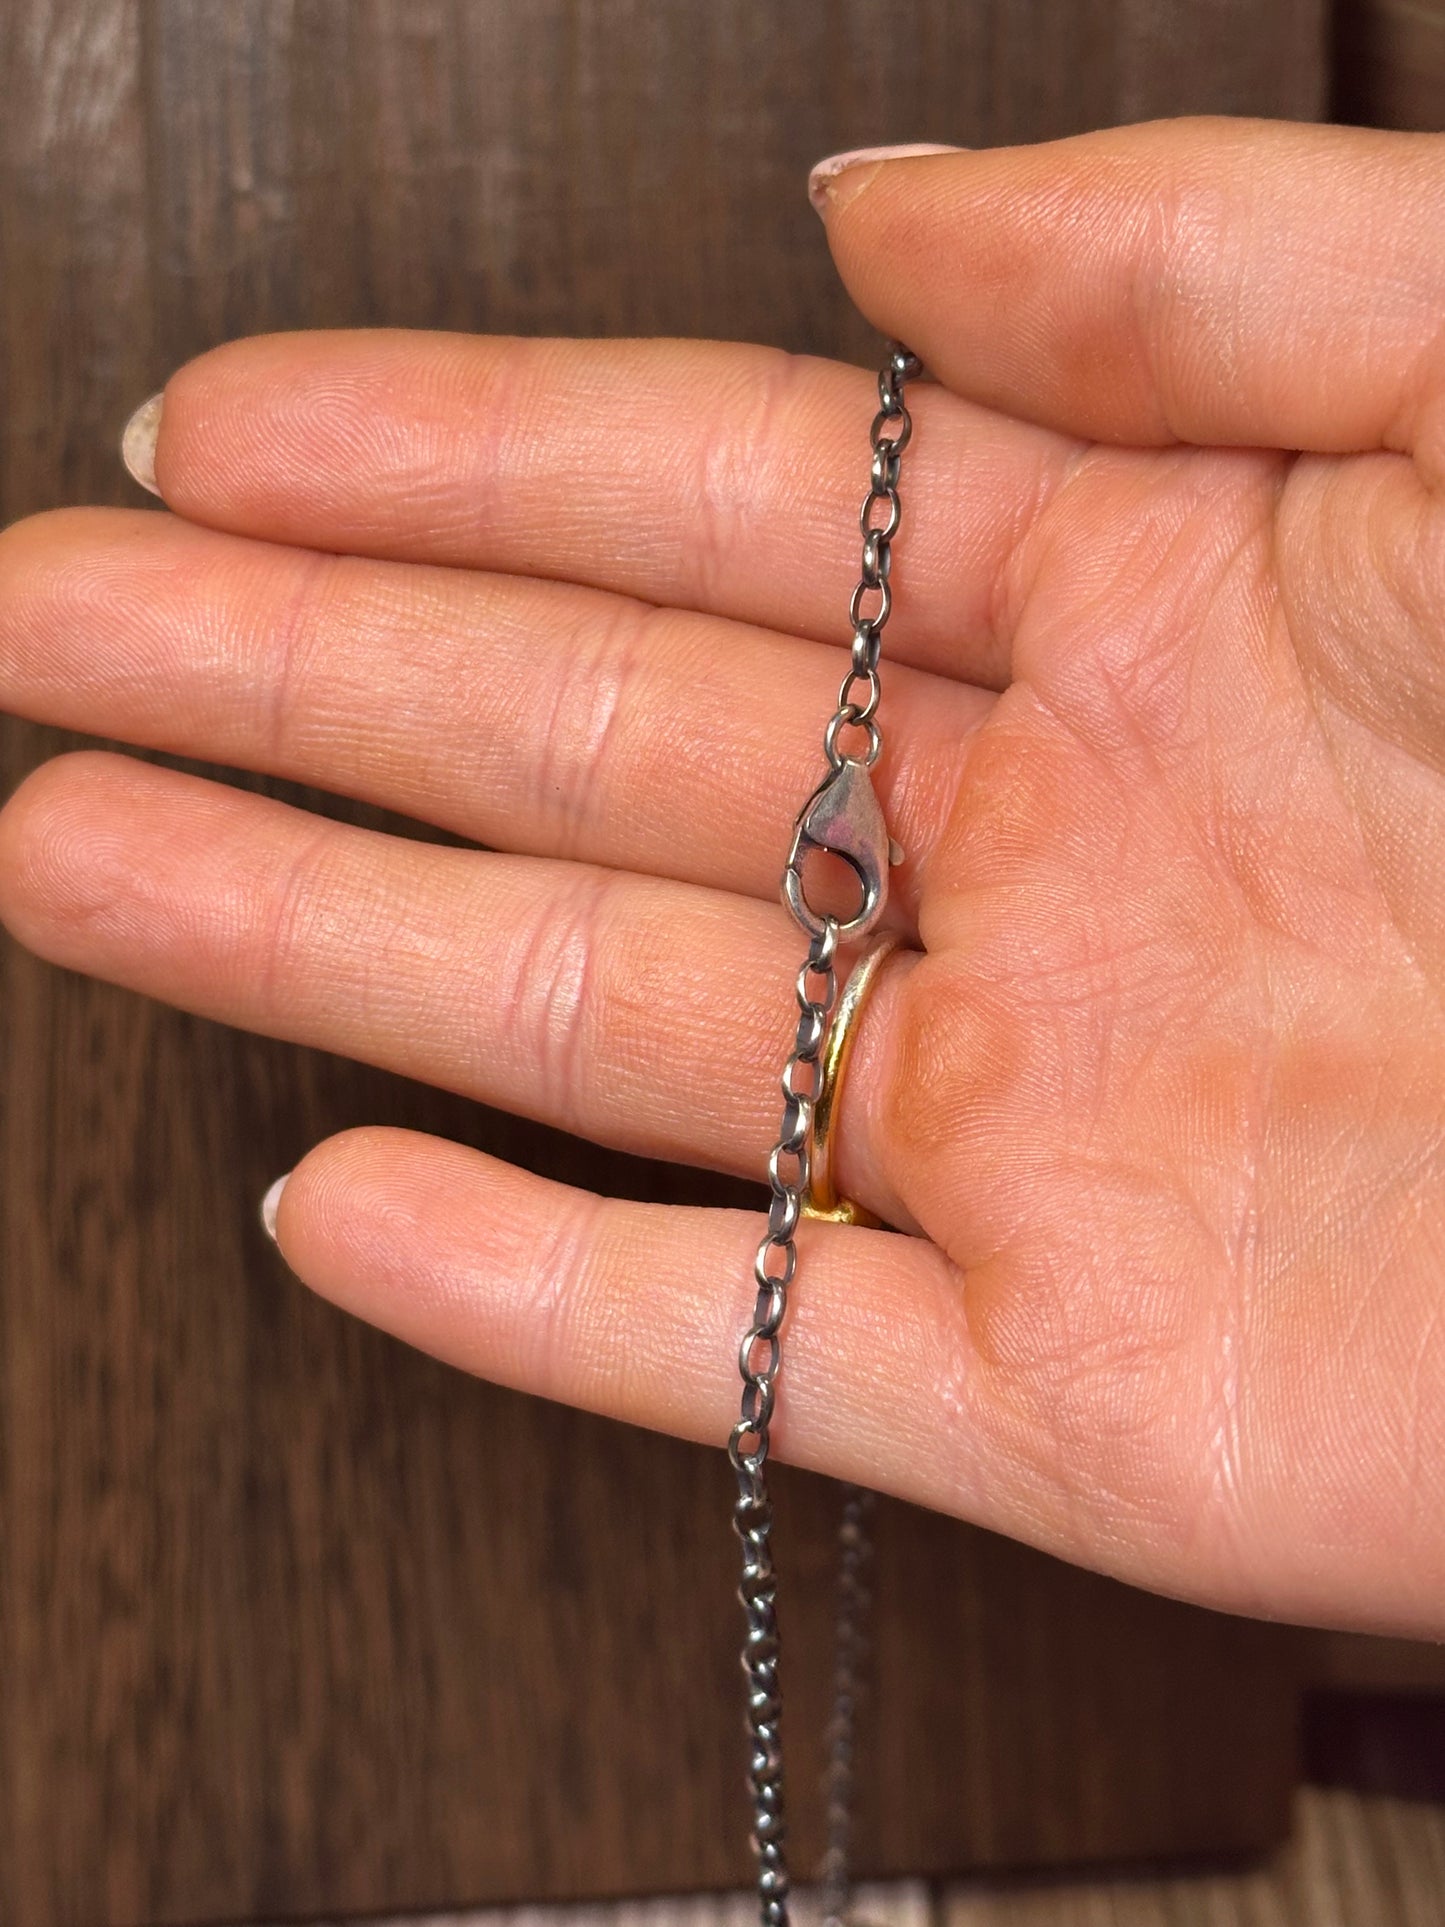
column 78, row 1634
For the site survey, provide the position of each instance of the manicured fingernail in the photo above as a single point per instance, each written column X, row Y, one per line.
column 138, row 442
column 824, row 188
column 269, row 1204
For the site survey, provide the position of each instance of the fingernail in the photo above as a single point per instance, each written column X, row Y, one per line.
column 269, row 1204
column 138, row 442
column 823, row 192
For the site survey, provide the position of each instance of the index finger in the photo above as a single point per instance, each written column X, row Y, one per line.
column 705, row 475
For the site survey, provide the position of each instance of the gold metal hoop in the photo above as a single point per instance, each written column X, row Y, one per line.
column 822, row 1200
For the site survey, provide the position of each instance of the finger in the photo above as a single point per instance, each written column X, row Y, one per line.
column 1211, row 281
column 705, row 475
column 636, row 1310
column 532, row 716
column 644, row 1014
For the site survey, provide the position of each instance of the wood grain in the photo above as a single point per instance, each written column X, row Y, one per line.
column 901, row 1903
column 294, row 1620
column 1352, row 1861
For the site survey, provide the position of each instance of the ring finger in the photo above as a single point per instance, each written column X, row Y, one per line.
column 640, row 1012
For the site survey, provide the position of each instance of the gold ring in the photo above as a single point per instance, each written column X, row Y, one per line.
column 822, row 1200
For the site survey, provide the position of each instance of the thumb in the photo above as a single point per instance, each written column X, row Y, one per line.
column 1209, row 280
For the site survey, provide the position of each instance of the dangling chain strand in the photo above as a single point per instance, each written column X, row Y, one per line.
column 855, row 1550
column 842, row 815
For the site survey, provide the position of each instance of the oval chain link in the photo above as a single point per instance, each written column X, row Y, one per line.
column 760, row 1352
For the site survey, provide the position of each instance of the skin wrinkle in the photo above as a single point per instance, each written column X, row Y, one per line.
column 1415, row 582
column 1361, row 1309
column 1180, row 818
column 1423, row 1162
column 604, row 661
column 1342, row 787
column 438, row 474
column 1194, row 827
column 1061, row 1408
column 1160, row 240
column 548, row 990
column 1261, row 911
column 557, row 1289
column 1239, row 1271
column 1433, row 980
column 1226, row 1376
column 614, row 1314
column 1349, row 665
column 987, row 1443
column 1026, row 551
column 299, row 625
column 730, row 453
column 1408, row 430
column 1124, row 574
column 1077, row 1351
column 510, row 389
column 279, row 914
column 1242, row 1278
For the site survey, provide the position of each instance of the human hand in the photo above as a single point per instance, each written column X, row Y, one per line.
column 1163, row 1101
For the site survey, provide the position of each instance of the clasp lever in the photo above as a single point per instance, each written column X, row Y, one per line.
column 842, row 815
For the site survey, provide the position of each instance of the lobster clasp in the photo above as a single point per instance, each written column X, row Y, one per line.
column 842, row 815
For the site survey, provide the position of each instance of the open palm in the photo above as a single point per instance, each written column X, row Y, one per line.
column 1163, row 1097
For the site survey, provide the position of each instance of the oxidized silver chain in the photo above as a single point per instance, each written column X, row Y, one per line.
column 843, row 816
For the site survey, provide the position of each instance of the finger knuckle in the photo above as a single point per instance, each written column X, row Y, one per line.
column 749, row 420
column 556, row 993
column 615, row 651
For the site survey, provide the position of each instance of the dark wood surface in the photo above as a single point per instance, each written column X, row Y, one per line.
column 1354, row 1859
column 292, row 1620
column 1389, row 63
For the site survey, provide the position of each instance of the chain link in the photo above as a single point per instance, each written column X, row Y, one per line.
column 748, row 1447
column 850, row 1650
column 760, row 1352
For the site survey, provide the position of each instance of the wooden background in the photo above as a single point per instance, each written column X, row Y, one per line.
column 292, row 1620
column 1388, row 62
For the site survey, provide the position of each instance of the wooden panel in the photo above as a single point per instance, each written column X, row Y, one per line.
column 292, row 1619
column 902, row 1903
column 1390, row 63
column 1353, row 1861
column 1355, row 1662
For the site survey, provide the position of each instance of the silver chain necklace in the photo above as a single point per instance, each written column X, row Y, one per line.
column 842, row 816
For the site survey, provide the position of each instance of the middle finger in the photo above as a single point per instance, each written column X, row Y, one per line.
column 533, row 716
